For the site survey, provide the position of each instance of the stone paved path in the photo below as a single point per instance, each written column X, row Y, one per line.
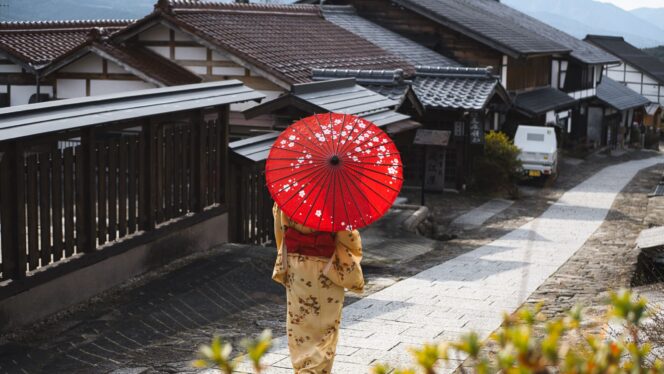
column 470, row 291
column 476, row 217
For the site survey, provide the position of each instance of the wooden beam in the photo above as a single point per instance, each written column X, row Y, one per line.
column 13, row 213
column 113, row 76
column 87, row 198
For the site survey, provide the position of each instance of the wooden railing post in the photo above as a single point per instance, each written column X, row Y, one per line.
column 148, row 176
column 13, row 213
column 199, row 161
column 88, row 224
column 223, row 173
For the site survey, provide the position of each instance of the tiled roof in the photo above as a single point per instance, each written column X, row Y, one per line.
column 340, row 96
column 36, row 44
column 617, row 46
column 618, row 95
column 389, row 83
column 142, row 61
column 485, row 21
column 582, row 51
column 286, row 41
column 415, row 53
column 455, row 88
column 542, row 100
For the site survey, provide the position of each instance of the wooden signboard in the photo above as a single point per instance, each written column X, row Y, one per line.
column 432, row 137
column 475, row 129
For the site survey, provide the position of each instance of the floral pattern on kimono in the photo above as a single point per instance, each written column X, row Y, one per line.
column 315, row 295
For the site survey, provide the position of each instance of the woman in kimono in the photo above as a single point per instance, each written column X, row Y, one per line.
column 315, row 267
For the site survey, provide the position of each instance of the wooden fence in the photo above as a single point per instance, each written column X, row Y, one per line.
column 60, row 201
column 250, row 213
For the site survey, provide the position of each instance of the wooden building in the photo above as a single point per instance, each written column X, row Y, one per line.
column 221, row 41
column 27, row 48
column 525, row 53
column 449, row 96
column 621, row 110
column 637, row 70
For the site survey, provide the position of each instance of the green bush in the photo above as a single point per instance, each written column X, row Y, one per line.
column 498, row 168
column 518, row 349
column 563, row 348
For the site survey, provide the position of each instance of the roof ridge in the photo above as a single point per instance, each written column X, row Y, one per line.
column 453, row 71
column 340, row 9
column 239, row 7
column 612, row 37
column 392, row 76
column 64, row 24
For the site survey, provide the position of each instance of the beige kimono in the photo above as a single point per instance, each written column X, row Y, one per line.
column 315, row 295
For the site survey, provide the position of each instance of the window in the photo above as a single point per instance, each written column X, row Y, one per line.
column 535, row 137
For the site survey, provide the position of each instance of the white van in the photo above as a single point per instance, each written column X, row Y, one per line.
column 539, row 150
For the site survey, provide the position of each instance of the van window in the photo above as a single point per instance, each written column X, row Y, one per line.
column 535, row 137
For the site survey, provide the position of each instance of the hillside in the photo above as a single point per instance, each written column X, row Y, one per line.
column 656, row 51
column 22, row 10
column 582, row 17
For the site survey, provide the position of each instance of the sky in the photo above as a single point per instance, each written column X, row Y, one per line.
column 633, row 4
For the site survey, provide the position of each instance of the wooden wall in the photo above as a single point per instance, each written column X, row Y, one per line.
column 528, row 73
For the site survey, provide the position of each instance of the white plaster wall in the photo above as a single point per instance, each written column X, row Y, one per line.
column 102, row 87
column 632, row 77
column 114, row 68
column 191, row 53
column 70, row 88
column 615, row 75
column 180, row 36
column 634, row 87
column 228, row 71
column 650, row 89
column 10, row 68
column 155, row 33
column 163, row 51
column 200, row 70
column 20, row 95
column 88, row 64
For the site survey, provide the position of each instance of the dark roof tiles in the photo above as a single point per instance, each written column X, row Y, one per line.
column 416, row 54
column 454, row 88
column 510, row 30
column 616, row 45
column 36, row 44
column 286, row 41
column 472, row 18
column 619, row 96
column 389, row 83
column 542, row 100
column 155, row 67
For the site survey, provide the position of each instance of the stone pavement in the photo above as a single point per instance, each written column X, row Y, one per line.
column 476, row 217
column 470, row 292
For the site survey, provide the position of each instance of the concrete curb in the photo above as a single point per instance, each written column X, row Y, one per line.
column 420, row 214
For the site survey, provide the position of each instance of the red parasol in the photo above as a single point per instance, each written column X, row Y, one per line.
column 334, row 172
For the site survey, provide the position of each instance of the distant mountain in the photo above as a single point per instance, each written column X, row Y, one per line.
column 27, row 10
column 656, row 51
column 582, row 17
column 652, row 15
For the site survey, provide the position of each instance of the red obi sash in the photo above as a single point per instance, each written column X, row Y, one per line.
column 318, row 244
